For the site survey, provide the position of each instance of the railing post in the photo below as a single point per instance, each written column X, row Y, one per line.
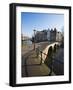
column 41, row 58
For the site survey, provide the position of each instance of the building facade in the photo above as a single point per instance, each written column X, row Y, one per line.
column 48, row 35
column 41, row 36
column 55, row 35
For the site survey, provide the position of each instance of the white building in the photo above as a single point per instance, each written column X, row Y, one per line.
column 48, row 34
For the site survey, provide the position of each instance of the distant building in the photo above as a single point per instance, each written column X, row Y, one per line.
column 59, row 36
column 25, row 40
column 55, row 35
column 41, row 36
column 52, row 35
column 23, row 37
column 48, row 34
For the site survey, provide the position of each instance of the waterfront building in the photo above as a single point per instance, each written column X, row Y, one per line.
column 47, row 35
column 55, row 35
column 40, row 36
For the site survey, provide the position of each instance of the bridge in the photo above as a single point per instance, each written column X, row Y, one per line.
column 44, row 53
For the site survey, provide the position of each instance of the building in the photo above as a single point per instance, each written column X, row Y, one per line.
column 24, row 38
column 41, row 36
column 55, row 35
column 47, row 35
column 52, row 35
column 59, row 36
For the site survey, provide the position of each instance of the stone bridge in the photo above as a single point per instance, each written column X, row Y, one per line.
column 45, row 51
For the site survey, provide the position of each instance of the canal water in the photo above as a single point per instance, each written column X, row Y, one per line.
column 27, row 42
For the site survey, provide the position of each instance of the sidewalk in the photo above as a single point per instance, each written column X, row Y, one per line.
column 32, row 66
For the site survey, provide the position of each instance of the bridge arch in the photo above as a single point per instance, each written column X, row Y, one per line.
column 48, row 50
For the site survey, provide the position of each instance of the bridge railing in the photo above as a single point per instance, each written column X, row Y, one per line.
column 51, row 60
column 43, row 55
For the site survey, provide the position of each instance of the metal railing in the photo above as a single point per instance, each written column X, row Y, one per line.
column 40, row 54
column 52, row 60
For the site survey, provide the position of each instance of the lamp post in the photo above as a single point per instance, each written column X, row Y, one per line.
column 34, row 38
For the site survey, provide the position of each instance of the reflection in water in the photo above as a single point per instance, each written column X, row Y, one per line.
column 26, row 42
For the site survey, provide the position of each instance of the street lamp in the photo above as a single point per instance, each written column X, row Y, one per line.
column 34, row 38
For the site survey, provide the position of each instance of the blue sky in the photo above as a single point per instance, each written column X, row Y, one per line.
column 40, row 21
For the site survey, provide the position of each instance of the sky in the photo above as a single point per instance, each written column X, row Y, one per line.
column 40, row 21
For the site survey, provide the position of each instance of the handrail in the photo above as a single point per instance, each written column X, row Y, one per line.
column 52, row 58
column 41, row 56
column 43, row 53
